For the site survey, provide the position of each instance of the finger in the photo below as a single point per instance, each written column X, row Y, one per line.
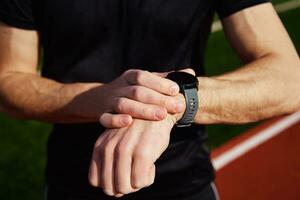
column 95, row 165
column 141, row 169
column 149, row 96
column 151, row 175
column 188, row 70
column 115, row 120
column 123, row 157
column 165, row 74
column 152, row 81
column 94, row 175
column 140, row 110
column 119, row 195
column 162, row 74
column 107, row 168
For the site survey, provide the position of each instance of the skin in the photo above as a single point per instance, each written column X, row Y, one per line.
column 25, row 94
column 123, row 159
column 266, row 85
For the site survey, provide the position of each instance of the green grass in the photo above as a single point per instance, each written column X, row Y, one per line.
column 22, row 158
column 23, row 143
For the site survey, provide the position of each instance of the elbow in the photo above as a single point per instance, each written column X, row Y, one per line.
column 297, row 85
column 9, row 109
column 6, row 95
column 5, row 106
column 292, row 98
column 294, row 107
column 285, row 83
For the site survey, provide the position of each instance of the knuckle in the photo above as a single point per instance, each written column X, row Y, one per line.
column 151, row 181
column 123, row 189
column 93, row 181
column 147, row 183
column 145, row 111
column 119, row 195
column 139, row 76
column 128, row 72
column 138, row 182
column 144, row 179
column 142, row 154
column 120, row 105
column 136, row 92
column 151, row 177
column 163, row 101
column 108, row 191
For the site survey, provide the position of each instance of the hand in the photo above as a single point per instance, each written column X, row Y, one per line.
column 139, row 94
column 123, row 159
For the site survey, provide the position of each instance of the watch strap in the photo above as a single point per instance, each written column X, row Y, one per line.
column 191, row 96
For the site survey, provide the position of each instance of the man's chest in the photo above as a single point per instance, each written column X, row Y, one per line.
column 112, row 15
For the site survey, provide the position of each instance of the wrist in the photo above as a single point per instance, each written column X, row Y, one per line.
column 86, row 102
column 188, row 84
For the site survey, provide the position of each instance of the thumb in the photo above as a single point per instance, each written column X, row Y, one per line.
column 162, row 74
column 109, row 120
column 165, row 74
column 188, row 70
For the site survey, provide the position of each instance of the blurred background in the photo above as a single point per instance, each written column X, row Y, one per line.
column 23, row 143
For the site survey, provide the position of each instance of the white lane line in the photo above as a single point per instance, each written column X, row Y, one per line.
column 261, row 137
column 282, row 7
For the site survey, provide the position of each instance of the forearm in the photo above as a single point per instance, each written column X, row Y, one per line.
column 30, row 96
column 259, row 90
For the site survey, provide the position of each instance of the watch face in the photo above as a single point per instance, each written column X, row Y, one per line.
column 184, row 79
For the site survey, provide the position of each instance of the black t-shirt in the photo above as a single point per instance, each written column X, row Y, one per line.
column 97, row 40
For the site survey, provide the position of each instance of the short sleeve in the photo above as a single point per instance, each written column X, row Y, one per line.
column 17, row 13
column 225, row 8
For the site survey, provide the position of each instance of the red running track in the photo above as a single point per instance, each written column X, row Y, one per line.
column 268, row 171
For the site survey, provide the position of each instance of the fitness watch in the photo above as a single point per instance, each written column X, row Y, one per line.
column 188, row 85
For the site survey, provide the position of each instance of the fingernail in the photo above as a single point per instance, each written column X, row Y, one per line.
column 160, row 114
column 174, row 89
column 179, row 106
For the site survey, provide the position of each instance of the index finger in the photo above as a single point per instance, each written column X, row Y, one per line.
column 152, row 81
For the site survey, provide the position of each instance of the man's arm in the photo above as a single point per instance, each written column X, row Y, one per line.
column 25, row 94
column 267, row 85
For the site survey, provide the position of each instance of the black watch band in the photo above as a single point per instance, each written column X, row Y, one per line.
column 192, row 103
column 188, row 85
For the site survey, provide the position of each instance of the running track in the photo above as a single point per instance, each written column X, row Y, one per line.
column 262, row 164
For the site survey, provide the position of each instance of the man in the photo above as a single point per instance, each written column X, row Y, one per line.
column 99, row 62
